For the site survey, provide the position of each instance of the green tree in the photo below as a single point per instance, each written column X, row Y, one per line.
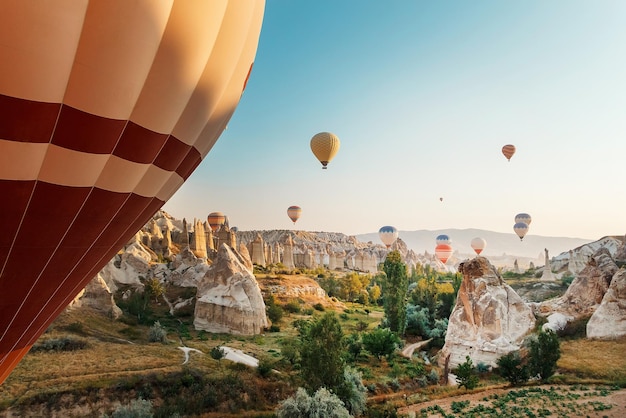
column 322, row 353
column 381, row 342
column 544, row 352
column 394, row 292
column 466, row 374
column 512, row 368
column 154, row 288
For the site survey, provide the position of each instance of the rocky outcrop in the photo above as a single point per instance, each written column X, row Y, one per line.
column 488, row 320
column 547, row 269
column 97, row 296
column 229, row 299
column 609, row 319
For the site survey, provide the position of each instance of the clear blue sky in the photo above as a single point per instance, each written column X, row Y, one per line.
column 423, row 95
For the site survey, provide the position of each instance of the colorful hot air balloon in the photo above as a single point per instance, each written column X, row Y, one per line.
column 478, row 245
column 388, row 235
column 106, row 108
column 523, row 217
column 443, row 252
column 294, row 213
column 520, row 229
column 508, row 151
column 325, row 146
column 442, row 239
column 216, row 220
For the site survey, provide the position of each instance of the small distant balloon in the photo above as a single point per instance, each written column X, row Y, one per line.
column 443, row 239
column 388, row 235
column 325, row 146
column 294, row 213
column 216, row 220
column 520, row 229
column 508, row 151
column 441, row 199
column 478, row 245
column 523, row 217
column 443, row 252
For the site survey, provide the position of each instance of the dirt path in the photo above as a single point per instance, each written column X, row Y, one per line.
column 572, row 401
column 409, row 349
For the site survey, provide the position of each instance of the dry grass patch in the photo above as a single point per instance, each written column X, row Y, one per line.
column 594, row 359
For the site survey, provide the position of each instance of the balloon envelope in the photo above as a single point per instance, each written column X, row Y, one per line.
column 520, row 229
column 294, row 213
column 325, row 146
column 216, row 220
column 106, row 108
column 478, row 245
column 442, row 239
column 388, row 235
column 443, row 252
column 508, row 151
column 523, row 217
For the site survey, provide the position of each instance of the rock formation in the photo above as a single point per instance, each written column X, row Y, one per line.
column 97, row 296
column 609, row 319
column 257, row 252
column 488, row 320
column 229, row 299
column 547, row 269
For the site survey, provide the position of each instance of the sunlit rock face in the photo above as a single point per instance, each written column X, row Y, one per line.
column 609, row 319
column 229, row 299
column 488, row 320
column 98, row 297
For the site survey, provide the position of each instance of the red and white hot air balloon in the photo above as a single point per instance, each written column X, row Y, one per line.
column 443, row 252
column 478, row 244
column 106, row 108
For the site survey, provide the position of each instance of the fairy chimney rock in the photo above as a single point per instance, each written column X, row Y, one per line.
column 609, row 319
column 489, row 319
column 229, row 298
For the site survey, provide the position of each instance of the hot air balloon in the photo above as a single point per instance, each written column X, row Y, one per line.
column 441, row 199
column 388, row 235
column 508, row 151
column 443, row 252
column 216, row 220
column 442, row 239
column 478, row 245
column 294, row 213
column 523, row 217
column 106, row 108
column 325, row 146
column 520, row 229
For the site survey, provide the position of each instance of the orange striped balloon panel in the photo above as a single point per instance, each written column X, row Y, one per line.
column 443, row 252
column 325, row 146
column 294, row 213
column 216, row 220
column 106, row 107
column 508, row 151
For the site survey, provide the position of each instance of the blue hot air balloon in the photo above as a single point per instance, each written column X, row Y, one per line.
column 388, row 235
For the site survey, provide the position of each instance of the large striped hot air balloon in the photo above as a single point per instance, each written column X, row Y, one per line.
column 442, row 239
column 478, row 245
column 294, row 213
column 443, row 252
column 325, row 146
column 388, row 235
column 523, row 217
column 106, row 108
column 216, row 220
column 508, row 151
column 520, row 228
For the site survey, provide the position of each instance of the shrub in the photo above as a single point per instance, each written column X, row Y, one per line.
column 319, row 307
column 217, row 353
column 511, row 367
column 433, row 376
column 293, row 306
column 545, row 351
column 353, row 393
column 466, row 374
column 138, row 408
column 60, row 344
column 274, row 312
column 322, row 404
column 274, row 328
column 265, row 368
column 381, row 342
column 157, row 333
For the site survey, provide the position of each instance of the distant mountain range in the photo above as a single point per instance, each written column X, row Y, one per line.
column 498, row 243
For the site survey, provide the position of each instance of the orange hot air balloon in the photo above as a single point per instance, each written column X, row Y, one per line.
column 106, row 108
column 508, row 151
column 294, row 213
column 325, row 146
column 216, row 220
column 443, row 252
column 478, row 245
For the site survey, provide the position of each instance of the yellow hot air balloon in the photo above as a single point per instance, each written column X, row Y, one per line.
column 508, row 151
column 325, row 146
column 106, row 108
column 216, row 220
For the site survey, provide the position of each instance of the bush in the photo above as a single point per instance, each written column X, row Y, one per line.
column 466, row 374
column 319, row 307
column 274, row 313
column 138, row 408
column 322, row 404
column 218, row 353
column 274, row 328
column 157, row 333
column 545, row 351
column 265, row 368
column 293, row 306
column 511, row 367
column 60, row 344
column 381, row 342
